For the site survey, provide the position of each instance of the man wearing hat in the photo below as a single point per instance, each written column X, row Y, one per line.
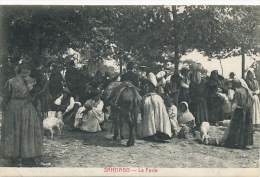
column 232, row 75
column 232, row 78
column 72, row 79
column 65, row 102
column 55, row 81
column 41, row 89
column 130, row 76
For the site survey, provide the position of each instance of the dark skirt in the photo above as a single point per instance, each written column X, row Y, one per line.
column 200, row 111
column 240, row 133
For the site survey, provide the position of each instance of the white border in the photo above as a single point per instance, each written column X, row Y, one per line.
column 129, row 2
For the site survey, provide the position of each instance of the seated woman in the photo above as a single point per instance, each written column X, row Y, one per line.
column 155, row 120
column 90, row 116
column 186, row 121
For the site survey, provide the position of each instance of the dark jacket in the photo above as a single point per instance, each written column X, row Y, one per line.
column 132, row 77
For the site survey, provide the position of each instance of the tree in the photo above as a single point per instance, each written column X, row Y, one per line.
column 225, row 31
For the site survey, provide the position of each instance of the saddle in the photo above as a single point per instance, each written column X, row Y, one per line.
column 114, row 90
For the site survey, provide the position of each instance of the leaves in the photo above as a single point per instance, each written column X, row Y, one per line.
column 146, row 33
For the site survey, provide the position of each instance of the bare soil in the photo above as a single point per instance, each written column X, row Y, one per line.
column 81, row 149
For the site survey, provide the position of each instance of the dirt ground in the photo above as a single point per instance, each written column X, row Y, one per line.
column 82, row 149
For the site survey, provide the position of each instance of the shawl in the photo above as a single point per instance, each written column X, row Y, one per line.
column 185, row 116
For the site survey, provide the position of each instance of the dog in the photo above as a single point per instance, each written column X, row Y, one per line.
column 204, row 132
column 54, row 120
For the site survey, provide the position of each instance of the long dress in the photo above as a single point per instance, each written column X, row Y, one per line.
column 155, row 116
column 254, row 86
column 92, row 118
column 239, row 134
column 184, row 92
column 214, row 102
column 198, row 104
column 22, row 133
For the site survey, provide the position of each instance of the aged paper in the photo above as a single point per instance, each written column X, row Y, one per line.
column 129, row 171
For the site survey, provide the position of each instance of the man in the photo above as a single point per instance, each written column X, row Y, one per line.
column 72, row 79
column 232, row 78
column 40, row 90
column 130, row 76
column 232, row 75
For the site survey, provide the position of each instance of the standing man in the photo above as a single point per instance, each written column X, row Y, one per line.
column 40, row 90
column 72, row 80
column 130, row 75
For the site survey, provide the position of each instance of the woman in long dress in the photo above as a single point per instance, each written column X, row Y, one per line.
column 254, row 87
column 22, row 134
column 155, row 120
column 214, row 102
column 239, row 134
column 198, row 104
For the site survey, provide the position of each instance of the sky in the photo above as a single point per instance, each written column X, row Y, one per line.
column 232, row 64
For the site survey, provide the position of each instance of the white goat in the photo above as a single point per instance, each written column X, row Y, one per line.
column 204, row 132
column 53, row 120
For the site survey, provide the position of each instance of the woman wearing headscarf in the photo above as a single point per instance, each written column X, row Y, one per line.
column 198, row 104
column 254, row 87
column 161, row 82
column 155, row 120
column 21, row 132
column 186, row 120
column 239, row 134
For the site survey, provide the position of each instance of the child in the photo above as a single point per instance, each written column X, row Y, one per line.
column 30, row 82
column 172, row 113
column 228, row 102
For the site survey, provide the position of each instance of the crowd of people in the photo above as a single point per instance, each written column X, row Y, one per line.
column 174, row 104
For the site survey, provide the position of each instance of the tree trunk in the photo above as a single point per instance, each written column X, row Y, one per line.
column 243, row 61
column 98, row 63
column 176, row 45
column 120, row 64
column 221, row 67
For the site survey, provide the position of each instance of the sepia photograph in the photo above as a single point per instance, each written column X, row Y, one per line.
column 130, row 89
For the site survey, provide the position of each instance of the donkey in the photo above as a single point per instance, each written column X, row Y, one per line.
column 125, row 108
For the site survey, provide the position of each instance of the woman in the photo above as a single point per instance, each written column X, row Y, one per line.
column 90, row 117
column 156, row 123
column 161, row 82
column 22, row 133
column 214, row 102
column 254, row 87
column 185, row 83
column 197, row 94
column 239, row 134
column 186, row 121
